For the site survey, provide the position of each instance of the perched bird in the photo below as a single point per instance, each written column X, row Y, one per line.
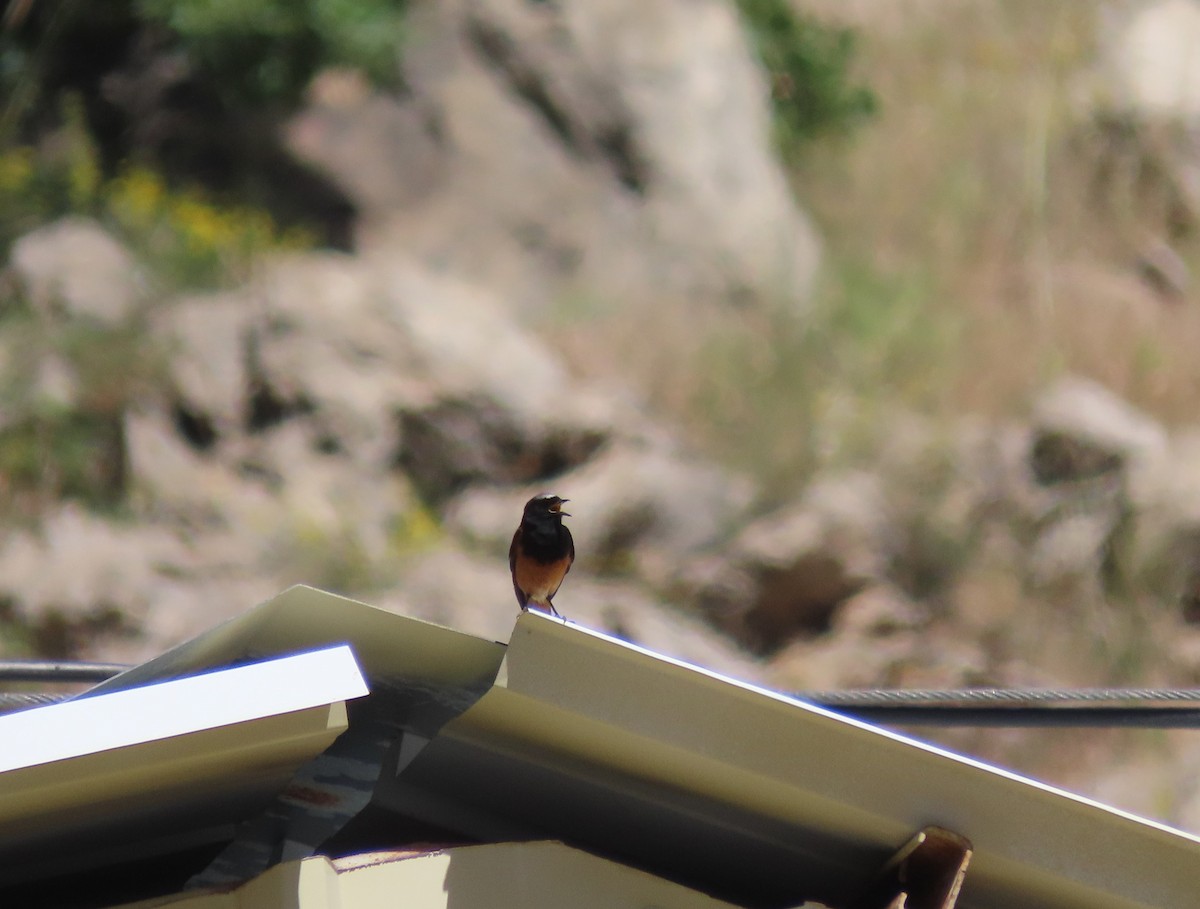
column 541, row 552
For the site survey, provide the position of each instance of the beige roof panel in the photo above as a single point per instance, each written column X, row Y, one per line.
column 537, row 875
column 577, row 718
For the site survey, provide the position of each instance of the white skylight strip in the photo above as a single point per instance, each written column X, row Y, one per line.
column 221, row 698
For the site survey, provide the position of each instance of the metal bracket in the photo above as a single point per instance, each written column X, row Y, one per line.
column 926, row 873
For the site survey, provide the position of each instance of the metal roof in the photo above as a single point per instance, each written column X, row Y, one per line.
column 750, row 796
column 762, row 799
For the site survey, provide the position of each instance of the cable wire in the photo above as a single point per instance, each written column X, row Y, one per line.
column 55, row 671
column 1155, row 708
column 1149, row 708
column 11, row 703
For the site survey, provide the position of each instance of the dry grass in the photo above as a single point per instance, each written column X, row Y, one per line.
column 982, row 235
column 984, row 172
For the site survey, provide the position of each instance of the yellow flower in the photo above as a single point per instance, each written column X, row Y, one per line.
column 202, row 227
column 136, row 198
column 16, row 169
column 415, row 529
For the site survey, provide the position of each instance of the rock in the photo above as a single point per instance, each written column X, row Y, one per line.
column 1147, row 106
column 336, row 524
column 909, row 654
column 1044, row 500
column 183, row 607
column 79, row 571
column 1071, row 551
column 274, row 502
column 838, row 662
column 627, row 612
column 787, row 573
column 623, row 149
column 1163, row 548
column 1082, row 430
column 1097, row 460
column 1170, row 486
column 398, row 363
column 707, row 153
column 207, row 338
column 326, row 346
column 383, row 152
column 461, row 341
column 169, row 479
column 502, row 407
column 75, row 265
column 879, row 610
column 55, row 384
column 943, row 484
column 1151, row 60
column 1164, row 271
column 643, row 500
column 447, row 585
column 460, row 441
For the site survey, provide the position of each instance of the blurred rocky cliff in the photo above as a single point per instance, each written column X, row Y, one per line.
column 371, row 425
column 620, row 150
column 371, row 421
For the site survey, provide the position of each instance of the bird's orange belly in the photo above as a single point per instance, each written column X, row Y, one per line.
column 540, row 580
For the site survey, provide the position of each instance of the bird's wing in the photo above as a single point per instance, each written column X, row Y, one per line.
column 570, row 560
column 522, row 598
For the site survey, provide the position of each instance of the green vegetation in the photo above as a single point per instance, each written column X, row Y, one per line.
column 62, row 455
column 184, row 237
column 63, row 389
column 244, row 53
column 163, row 117
column 268, row 51
column 809, row 66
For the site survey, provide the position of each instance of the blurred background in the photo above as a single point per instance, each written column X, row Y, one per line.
column 862, row 336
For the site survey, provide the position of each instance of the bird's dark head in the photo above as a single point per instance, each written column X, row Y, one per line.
column 545, row 508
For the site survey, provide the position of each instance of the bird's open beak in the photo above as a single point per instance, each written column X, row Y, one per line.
column 558, row 510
